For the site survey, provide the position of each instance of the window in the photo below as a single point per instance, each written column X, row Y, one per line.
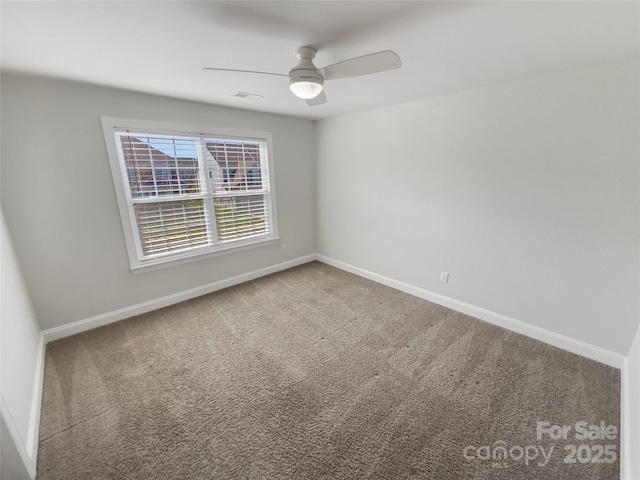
column 183, row 194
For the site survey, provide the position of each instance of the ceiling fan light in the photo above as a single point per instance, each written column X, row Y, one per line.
column 306, row 88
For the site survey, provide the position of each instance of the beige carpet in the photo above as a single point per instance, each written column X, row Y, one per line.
column 314, row 373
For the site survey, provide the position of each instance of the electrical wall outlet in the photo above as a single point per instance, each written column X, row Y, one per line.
column 284, row 248
column 444, row 277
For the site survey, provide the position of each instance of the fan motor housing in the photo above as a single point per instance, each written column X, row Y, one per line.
column 305, row 76
column 305, row 80
column 305, row 70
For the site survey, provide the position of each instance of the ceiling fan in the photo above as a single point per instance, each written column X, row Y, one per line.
column 306, row 80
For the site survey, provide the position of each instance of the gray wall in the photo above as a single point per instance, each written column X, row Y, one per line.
column 60, row 204
column 527, row 193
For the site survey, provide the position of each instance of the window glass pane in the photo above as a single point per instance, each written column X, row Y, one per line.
column 170, row 226
column 234, row 165
column 160, row 166
column 240, row 217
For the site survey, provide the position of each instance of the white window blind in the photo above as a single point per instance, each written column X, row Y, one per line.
column 186, row 194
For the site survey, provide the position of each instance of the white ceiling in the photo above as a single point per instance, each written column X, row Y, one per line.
column 160, row 47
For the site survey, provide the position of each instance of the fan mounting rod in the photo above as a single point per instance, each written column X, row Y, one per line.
column 306, row 52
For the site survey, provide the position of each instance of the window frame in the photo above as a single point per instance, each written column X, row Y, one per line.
column 137, row 261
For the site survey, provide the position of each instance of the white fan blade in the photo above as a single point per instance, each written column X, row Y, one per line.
column 243, row 71
column 317, row 100
column 372, row 63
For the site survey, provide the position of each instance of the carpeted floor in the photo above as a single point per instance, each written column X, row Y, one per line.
column 314, row 373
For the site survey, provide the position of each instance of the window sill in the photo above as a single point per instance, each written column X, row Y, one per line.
column 165, row 262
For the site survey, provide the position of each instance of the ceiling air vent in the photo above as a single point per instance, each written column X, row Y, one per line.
column 253, row 96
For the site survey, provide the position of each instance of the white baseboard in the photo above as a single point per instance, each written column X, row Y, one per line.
column 625, row 422
column 73, row 328
column 547, row 336
column 28, row 460
column 564, row 342
column 36, row 402
column 28, row 448
column 629, row 414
